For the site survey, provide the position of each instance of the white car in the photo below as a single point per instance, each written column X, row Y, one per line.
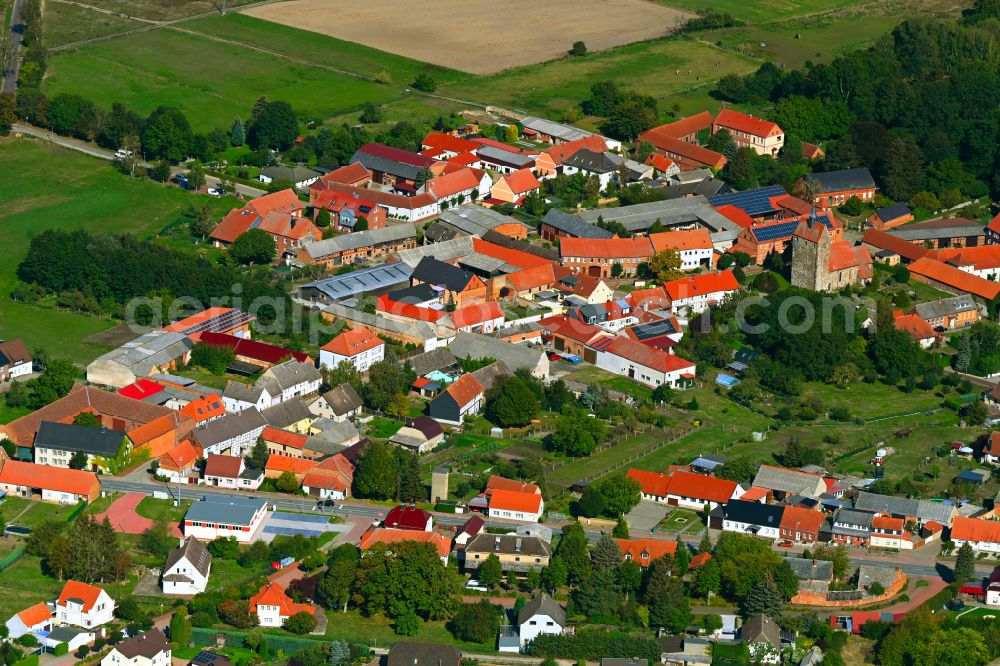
column 216, row 191
column 122, row 154
column 473, row 584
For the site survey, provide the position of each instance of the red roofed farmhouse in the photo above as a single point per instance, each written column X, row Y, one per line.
column 765, row 137
column 597, row 256
column 273, row 606
column 953, row 279
column 646, row 365
column 408, row 517
column 697, row 292
column 982, row 535
column 653, row 485
column 644, row 551
column 513, row 187
column 685, row 489
column 516, row 505
column 47, row 483
column 358, row 347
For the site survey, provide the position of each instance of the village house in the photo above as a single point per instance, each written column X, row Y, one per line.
column 390, row 536
column 215, row 320
column 943, row 234
column 412, row 653
column 783, row 482
column 918, row 329
column 461, row 398
column 284, row 203
column 516, row 552
column 402, row 171
column 760, row 520
column 644, row 551
column 234, row 434
column 502, row 158
column 341, row 403
column 801, row 525
column 150, row 648
column 852, row 527
column 273, row 605
column 422, row 435
column 694, row 247
column 571, row 336
column 831, row 189
column 644, row 364
column 15, row 361
column 204, row 408
column 949, row 313
column 396, row 206
column 557, row 225
column 604, row 258
column 763, row 638
column 215, row 516
column 358, row 347
column 921, row 512
column 514, row 187
column 84, row 605
column 457, row 187
column 477, row 318
column 591, row 163
column 679, row 142
column 693, row 491
column 541, row 615
column 516, row 505
column 148, row 354
column 359, row 246
column 36, row 620
column 457, row 286
column 890, row 217
column 763, row 136
column 231, row 472
column 516, row 357
column 443, row 146
column 330, row 479
column 299, row 176
column 107, row 451
column 949, row 278
column 696, row 293
column 349, row 211
column 186, row 569
column 550, row 161
column 48, row 484
column 408, row 517
column 888, row 532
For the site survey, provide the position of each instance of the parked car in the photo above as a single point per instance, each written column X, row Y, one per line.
column 572, row 358
column 785, row 544
column 956, row 605
column 554, row 356
column 473, row 584
column 122, row 154
column 216, row 191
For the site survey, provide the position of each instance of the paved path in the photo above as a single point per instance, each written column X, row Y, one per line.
column 9, row 83
column 124, row 518
column 288, row 575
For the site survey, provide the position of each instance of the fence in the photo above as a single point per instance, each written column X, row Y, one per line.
column 8, row 561
column 75, row 513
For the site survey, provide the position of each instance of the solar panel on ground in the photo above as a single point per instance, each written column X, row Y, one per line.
column 752, row 202
column 301, row 517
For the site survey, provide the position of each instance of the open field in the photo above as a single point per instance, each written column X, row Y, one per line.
column 660, row 68
column 90, row 194
column 164, row 10
column 480, row 39
column 762, row 10
column 211, row 82
column 66, row 23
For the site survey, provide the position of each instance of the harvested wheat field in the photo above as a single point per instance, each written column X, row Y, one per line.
column 478, row 36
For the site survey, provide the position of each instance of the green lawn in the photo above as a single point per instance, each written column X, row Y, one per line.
column 26, row 513
column 377, row 631
column 660, row 68
column 90, row 194
column 678, row 521
column 211, row 81
column 65, row 24
column 383, row 428
column 762, row 10
column 8, row 414
column 158, row 509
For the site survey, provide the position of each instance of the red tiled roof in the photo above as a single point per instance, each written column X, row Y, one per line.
column 471, row 315
column 605, row 248
column 385, row 304
column 513, row 257
column 204, row 407
column 141, row 434
column 224, row 466
column 384, row 199
column 894, row 244
column 464, row 390
column 981, row 257
column 887, row 523
column 694, row 239
column 77, row 591
column 648, row 356
column 794, row 204
column 278, row 463
column 994, row 224
column 531, row 278
column 389, row 536
column 699, row 560
column 353, row 342
column 233, row 225
column 396, row 155
column 453, row 183
column 513, row 500
column 659, row 162
column 522, row 181
column 181, row 455
column 286, row 226
column 742, row 122
column 843, row 255
column 698, row 486
column 651, row 483
column 685, row 126
column 812, row 152
column 35, row 615
column 500, row 483
column 917, row 328
column 284, row 437
column 754, row 493
column 737, row 215
column 142, row 388
column 443, row 142
column 407, row 518
column 563, row 151
column 644, row 551
column 324, row 481
column 348, row 174
column 697, row 285
column 272, row 594
column 217, row 313
column 975, row 529
column 801, row 519
column 685, row 152
column 574, row 329
column 463, row 159
column 954, row 278
column 283, row 201
column 651, row 299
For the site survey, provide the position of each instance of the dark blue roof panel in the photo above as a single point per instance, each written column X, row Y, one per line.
column 753, row 202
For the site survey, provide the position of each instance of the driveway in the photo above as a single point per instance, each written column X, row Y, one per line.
column 646, row 515
column 124, row 519
column 280, row 522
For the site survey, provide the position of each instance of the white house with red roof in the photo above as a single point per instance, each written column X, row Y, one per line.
column 513, row 187
column 84, row 605
column 641, row 363
column 408, row 517
column 331, row 479
column 764, row 136
column 442, row 146
column 357, row 346
column 32, row 620
column 273, row 605
column 696, row 293
column 231, row 472
column 459, row 186
column 516, row 505
column 478, row 318
column 694, row 491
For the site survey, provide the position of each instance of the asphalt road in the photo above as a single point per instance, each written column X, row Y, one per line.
column 9, row 84
column 96, row 151
column 356, row 508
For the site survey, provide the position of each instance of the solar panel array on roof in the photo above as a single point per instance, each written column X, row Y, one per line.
column 362, row 281
column 601, row 344
column 224, row 322
column 654, row 329
column 783, row 230
column 753, row 202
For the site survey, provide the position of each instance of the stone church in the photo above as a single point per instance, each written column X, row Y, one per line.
column 822, row 261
